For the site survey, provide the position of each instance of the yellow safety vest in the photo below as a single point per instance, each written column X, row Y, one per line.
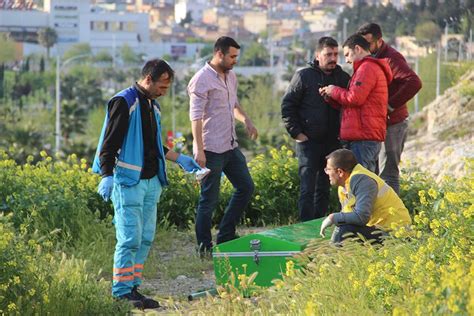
column 389, row 211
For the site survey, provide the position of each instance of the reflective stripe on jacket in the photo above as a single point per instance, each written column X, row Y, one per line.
column 130, row 158
column 388, row 210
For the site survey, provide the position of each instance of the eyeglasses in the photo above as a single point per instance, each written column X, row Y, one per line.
column 328, row 169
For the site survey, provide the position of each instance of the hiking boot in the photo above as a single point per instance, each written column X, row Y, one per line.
column 146, row 301
column 132, row 299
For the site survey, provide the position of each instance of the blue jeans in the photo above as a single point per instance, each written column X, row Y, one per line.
column 366, row 153
column 390, row 153
column 314, row 182
column 135, row 225
column 234, row 166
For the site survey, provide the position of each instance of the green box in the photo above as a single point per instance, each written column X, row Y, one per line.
column 265, row 252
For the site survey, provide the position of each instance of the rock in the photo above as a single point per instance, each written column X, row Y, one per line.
column 181, row 277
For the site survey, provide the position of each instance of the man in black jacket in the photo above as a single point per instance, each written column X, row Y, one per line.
column 314, row 125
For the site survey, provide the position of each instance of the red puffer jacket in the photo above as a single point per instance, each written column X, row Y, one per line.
column 364, row 104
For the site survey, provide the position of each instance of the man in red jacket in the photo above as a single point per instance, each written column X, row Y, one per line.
column 364, row 103
column 404, row 86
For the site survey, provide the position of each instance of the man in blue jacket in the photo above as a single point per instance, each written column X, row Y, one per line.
column 131, row 160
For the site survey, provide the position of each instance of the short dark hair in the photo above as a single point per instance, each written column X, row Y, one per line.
column 223, row 44
column 370, row 28
column 155, row 68
column 356, row 39
column 343, row 159
column 326, row 41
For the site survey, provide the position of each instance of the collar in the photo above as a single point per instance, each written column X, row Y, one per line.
column 381, row 50
column 208, row 67
column 142, row 91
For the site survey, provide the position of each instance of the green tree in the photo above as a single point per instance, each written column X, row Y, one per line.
column 73, row 119
column 103, row 57
column 254, row 55
column 7, row 51
column 78, row 50
column 427, row 33
column 47, row 37
column 129, row 56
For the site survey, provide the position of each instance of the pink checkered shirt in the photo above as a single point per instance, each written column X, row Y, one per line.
column 213, row 100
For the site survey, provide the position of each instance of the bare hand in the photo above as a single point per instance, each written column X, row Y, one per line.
column 300, row 138
column 326, row 92
column 200, row 158
column 251, row 130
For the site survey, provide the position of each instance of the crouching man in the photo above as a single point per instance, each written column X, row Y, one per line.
column 369, row 206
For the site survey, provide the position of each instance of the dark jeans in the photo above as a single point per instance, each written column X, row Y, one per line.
column 342, row 232
column 234, row 166
column 314, row 182
column 366, row 153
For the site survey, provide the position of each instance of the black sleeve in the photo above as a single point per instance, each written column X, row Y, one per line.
column 345, row 80
column 290, row 103
column 115, row 132
column 165, row 150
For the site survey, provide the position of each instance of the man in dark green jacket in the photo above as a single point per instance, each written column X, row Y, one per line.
column 314, row 125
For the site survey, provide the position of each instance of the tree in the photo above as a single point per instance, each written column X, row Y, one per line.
column 255, row 55
column 103, row 57
column 427, row 33
column 188, row 19
column 77, row 50
column 47, row 37
column 7, row 51
column 129, row 56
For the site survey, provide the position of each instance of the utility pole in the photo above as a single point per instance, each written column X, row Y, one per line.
column 438, row 66
column 446, row 42
column 58, row 95
column 416, row 96
column 470, row 45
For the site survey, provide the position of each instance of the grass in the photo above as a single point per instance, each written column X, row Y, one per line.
column 449, row 76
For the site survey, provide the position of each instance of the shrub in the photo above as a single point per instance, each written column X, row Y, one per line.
column 58, row 195
column 424, row 270
column 35, row 280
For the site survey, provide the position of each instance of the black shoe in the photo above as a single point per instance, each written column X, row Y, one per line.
column 146, row 301
column 132, row 299
column 220, row 241
column 205, row 252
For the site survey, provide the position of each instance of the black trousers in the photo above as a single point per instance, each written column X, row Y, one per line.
column 314, row 182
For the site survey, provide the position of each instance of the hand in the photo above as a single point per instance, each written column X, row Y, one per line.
column 326, row 223
column 105, row 187
column 251, row 130
column 300, row 138
column 187, row 163
column 326, row 91
column 200, row 158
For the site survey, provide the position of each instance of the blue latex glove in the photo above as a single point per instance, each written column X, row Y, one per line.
column 105, row 187
column 187, row 163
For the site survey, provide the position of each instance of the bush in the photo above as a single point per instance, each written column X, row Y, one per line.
column 424, row 270
column 35, row 280
column 58, row 195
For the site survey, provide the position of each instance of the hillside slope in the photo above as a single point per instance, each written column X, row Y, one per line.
column 441, row 136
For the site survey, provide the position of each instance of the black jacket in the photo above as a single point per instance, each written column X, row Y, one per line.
column 303, row 110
